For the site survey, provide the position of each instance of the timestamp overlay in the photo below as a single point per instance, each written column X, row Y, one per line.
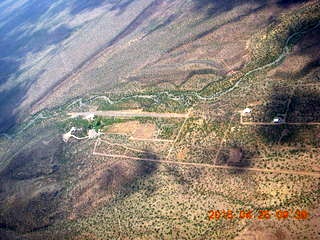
column 281, row 214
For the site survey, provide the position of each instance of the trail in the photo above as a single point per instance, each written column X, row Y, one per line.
column 178, row 135
column 224, row 139
column 150, row 139
column 123, row 146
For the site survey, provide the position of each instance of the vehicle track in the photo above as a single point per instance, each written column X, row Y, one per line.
column 128, row 114
column 277, row 124
column 251, row 169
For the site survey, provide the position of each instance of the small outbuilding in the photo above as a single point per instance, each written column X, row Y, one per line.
column 89, row 117
column 247, row 111
column 92, row 133
column 278, row 120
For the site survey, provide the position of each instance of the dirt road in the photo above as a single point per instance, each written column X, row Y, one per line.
column 128, row 114
column 277, row 124
column 290, row 172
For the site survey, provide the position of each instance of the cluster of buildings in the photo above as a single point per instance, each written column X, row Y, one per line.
column 277, row 120
column 91, row 134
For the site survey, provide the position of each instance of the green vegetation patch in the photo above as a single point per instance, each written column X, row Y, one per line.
column 97, row 123
column 268, row 44
column 177, row 101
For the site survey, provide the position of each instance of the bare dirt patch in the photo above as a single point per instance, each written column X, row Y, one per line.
column 134, row 129
column 258, row 232
column 181, row 155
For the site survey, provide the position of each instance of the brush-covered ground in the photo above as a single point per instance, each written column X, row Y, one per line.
column 210, row 59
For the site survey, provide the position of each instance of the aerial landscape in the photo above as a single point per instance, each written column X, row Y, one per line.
column 159, row 119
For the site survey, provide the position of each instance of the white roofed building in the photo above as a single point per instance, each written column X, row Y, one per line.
column 247, row 111
column 278, row 120
column 89, row 117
